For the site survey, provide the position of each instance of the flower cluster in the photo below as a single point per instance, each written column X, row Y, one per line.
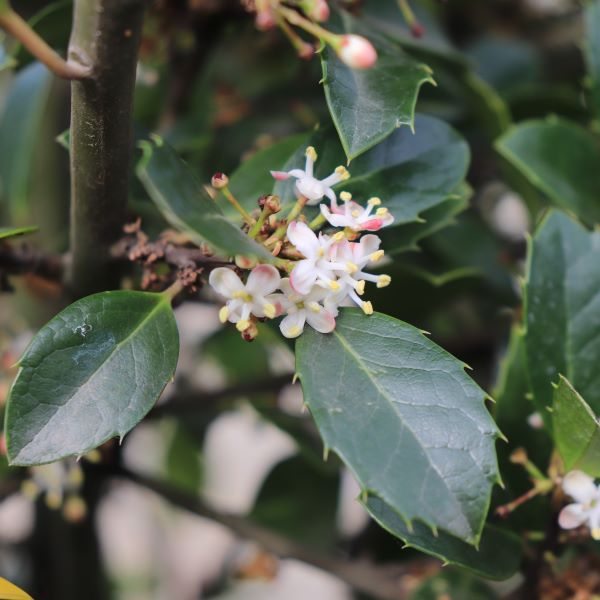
column 324, row 271
column 586, row 508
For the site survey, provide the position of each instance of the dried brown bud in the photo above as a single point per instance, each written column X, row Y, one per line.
column 250, row 332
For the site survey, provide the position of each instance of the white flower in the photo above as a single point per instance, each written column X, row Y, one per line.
column 586, row 508
column 356, row 256
column 307, row 185
column 302, row 309
column 246, row 299
column 317, row 268
column 357, row 217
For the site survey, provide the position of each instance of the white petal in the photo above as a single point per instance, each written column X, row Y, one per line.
column 225, row 282
column 263, row 280
column 303, row 277
column 579, row 486
column 304, row 238
column 323, row 321
column 335, row 220
column 293, row 325
column 571, row 516
column 369, row 244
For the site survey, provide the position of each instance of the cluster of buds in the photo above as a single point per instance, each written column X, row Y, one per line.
column 354, row 50
column 322, row 271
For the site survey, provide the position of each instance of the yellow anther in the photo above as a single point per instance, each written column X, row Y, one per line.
column 355, row 213
column 378, row 255
column 351, row 267
column 270, row 310
column 596, row 533
column 374, row 201
column 224, row 314
column 367, row 308
column 339, row 236
column 294, row 331
column 334, row 285
column 242, row 295
column 320, row 252
column 360, row 287
column 381, row 212
column 29, row 489
column 383, row 281
column 53, row 500
column 343, row 173
column 345, row 196
column 242, row 325
column 314, row 307
column 311, row 153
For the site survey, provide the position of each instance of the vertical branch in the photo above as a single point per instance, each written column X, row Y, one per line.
column 106, row 36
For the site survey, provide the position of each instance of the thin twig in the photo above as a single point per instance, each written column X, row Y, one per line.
column 381, row 582
column 23, row 259
column 193, row 402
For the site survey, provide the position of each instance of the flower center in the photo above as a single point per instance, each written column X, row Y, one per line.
column 242, row 295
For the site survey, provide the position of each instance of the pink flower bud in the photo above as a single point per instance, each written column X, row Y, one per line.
column 219, row 181
column 264, row 20
column 319, row 11
column 357, row 52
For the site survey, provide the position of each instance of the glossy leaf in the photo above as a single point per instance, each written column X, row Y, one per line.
column 576, row 430
column 592, row 50
column 9, row 232
column 19, row 130
column 410, row 172
column 562, row 307
column 559, row 158
column 367, row 105
column 497, row 557
column 90, row 374
column 453, row 585
column 404, row 416
column 186, row 206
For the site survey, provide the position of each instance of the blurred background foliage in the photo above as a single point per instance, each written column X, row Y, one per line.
column 219, row 92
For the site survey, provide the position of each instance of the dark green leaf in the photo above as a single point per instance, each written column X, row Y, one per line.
column 453, row 585
column 498, row 556
column 183, row 467
column 562, row 308
column 404, row 417
column 559, row 158
column 592, row 49
column 368, row 105
column 576, row 430
column 19, row 127
column 90, row 374
column 8, row 232
column 186, row 206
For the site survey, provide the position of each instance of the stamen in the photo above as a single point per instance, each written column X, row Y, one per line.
column 378, row 255
column 242, row 295
column 295, row 331
column 224, row 314
column 374, row 201
column 383, row 281
column 242, row 324
column 314, row 307
column 269, row 310
column 355, row 213
column 342, row 173
column 334, row 285
column 367, row 308
column 345, row 196
column 381, row 212
column 351, row 267
column 338, row 237
column 360, row 287
column 311, row 153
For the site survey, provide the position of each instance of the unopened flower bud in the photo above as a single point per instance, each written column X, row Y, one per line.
column 74, row 509
column 272, row 204
column 250, row 332
column 356, row 51
column 306, row 51
column 417, row 30
column 219, row 181
column 317, row 10
column 264, row 20
column 245, row 262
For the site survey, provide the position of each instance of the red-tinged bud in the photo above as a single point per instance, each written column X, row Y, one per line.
column 306, row 52
column 219, row 181
column 319, row 11
column 356, row 51
column 265, row 20
column 244, row 262
column 270, row 203
column 250, row 332
column 417, row 30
